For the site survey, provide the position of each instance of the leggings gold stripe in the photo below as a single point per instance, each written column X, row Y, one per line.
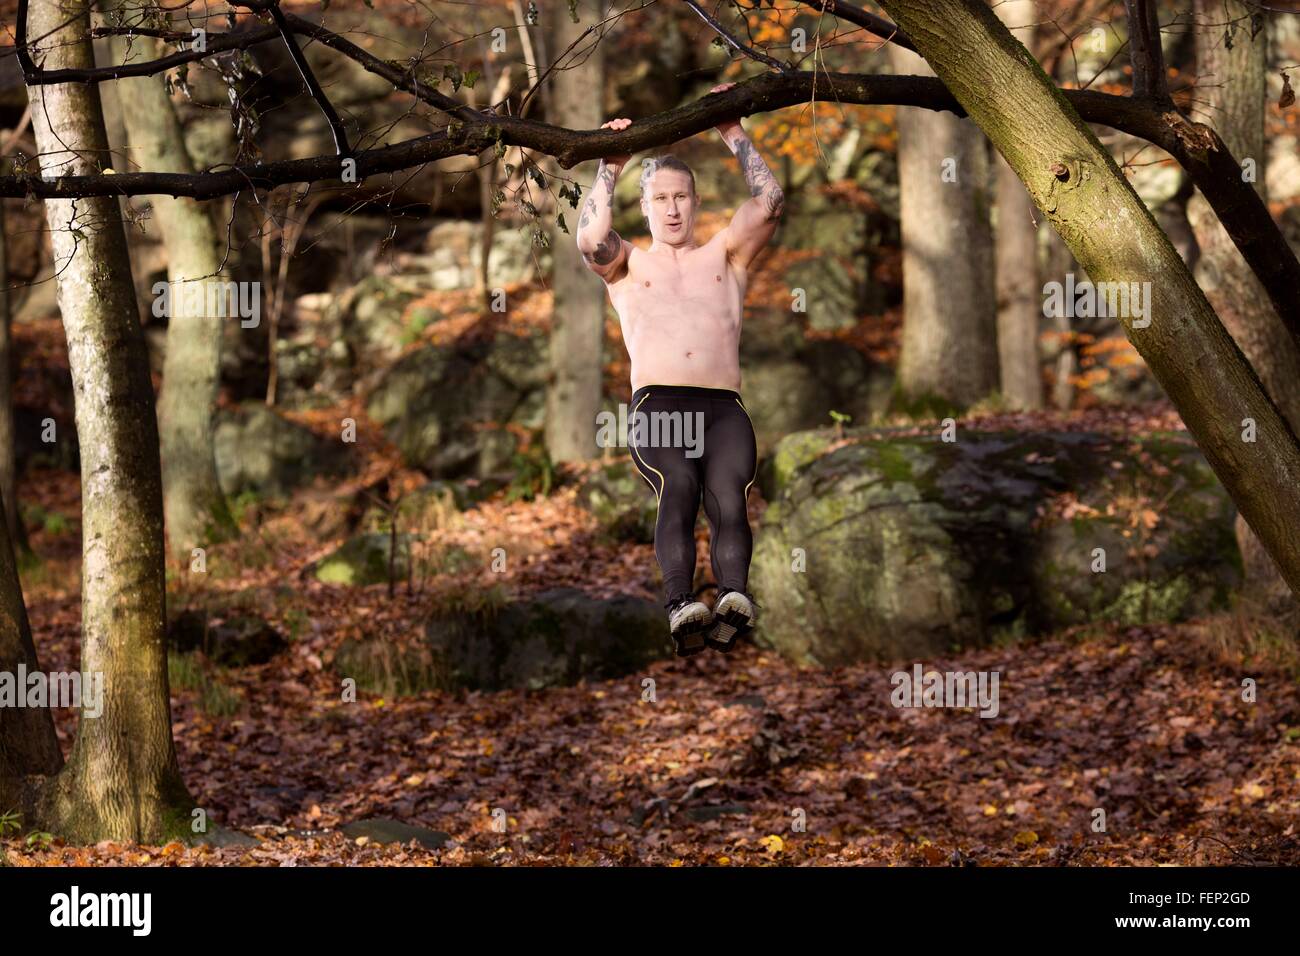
column 658, row 491
column 751, row 428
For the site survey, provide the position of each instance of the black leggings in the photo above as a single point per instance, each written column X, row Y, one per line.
column 689, row 441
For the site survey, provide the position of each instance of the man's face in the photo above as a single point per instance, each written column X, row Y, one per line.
column 668, row 204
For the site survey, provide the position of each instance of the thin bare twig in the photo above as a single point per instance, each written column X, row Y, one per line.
column 736, row 44
column 309, row 78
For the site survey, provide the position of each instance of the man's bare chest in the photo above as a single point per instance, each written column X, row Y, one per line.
column 704, row 280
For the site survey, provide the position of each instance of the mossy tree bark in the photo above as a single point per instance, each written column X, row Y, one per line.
column 1019, row 292
column 1231, row 65
column 122, row 780
column 949, row 348
column 578, row 316
column 1078, row 186
column 195, row 508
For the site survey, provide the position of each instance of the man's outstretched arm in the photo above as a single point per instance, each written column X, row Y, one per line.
column 755, row 221
column 602, row 248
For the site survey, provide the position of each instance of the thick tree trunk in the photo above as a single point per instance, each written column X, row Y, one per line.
column 578, row 316
column 949, row 348
column 1076, row 183
column 1020, row 294
column 195, row 508
column 122, row 780
column 1232, row 93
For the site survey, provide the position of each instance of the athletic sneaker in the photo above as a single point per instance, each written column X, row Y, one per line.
column 689, row 621
column 733, row 617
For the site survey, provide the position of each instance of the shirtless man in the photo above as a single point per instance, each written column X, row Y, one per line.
column 679, row 304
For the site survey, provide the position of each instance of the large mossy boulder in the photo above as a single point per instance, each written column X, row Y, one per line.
column 257, row 449
column 550, row 639
column 791, row 453
column 447, row 408
column 906, row 545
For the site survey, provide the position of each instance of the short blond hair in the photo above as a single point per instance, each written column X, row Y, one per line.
column 655, row 163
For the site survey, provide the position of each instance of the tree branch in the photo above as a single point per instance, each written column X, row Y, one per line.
column 1195, row 146
column 876, row 26
column 736, row 44
column 1149, row 81
column 309, row 78
column 402, row 79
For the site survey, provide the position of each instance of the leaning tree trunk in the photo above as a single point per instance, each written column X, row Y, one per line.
column 1232, row 94
column 1019, row 293
column 578, row 316
column 29, row 747
column 1077, row 185
column 195, row 507
column 949, row 348
column 122, row 780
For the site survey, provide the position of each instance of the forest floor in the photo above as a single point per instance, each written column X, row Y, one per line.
column 1145, row 723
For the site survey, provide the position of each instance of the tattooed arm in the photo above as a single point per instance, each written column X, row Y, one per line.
column 756, row 220
column 602, row 248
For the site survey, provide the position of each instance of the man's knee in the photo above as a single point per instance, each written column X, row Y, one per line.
column 730, row 498
column 680, row 492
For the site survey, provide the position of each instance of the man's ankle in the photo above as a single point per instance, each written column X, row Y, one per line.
column 679, row 596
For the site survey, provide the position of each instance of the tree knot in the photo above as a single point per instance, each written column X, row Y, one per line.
column 1067, row 173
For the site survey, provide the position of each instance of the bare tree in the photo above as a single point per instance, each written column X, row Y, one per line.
column 122, row 780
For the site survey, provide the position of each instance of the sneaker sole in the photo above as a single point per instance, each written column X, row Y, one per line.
column 690, row 638
column 727, row 630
